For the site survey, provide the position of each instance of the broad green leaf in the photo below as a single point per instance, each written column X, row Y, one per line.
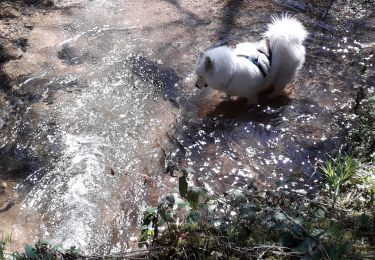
column 278, row 226
column 30, row 252
column 298, row 220
column 43, row 242
column 170, row 200
column 319, row 214
column 146, row 232
column 247, row 212
column 296, row 230
column 306, row 247
column 302, row 248
column 183, row 204
column 148, row 215
column 74, row 250
column 192, row 197
column 317, row 233
column 143, row 237
column 287, row 239
column 280, row 216
column 182, row 186
column 166, row 216
column 55, row 248
column 193, row 217
column 363, row 220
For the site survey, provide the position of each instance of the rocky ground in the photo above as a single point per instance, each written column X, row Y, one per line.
column 15, row 27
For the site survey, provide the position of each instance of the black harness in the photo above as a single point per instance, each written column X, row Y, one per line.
column 255, row 60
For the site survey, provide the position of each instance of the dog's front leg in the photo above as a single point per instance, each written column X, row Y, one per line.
column 276, row 92
column 226, row 98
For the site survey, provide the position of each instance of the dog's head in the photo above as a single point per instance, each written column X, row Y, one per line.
column 204, row 71
column 214, row 68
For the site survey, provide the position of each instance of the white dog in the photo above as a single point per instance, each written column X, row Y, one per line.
column 252, row 68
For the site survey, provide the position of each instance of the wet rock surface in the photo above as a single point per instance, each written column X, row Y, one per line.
column 98, row 97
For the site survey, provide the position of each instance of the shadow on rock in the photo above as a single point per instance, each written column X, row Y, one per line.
column 16, row 163
column 191, row 16
column 239, row 110
column 229, row 17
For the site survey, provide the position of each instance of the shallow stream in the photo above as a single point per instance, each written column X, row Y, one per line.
column 108, row 102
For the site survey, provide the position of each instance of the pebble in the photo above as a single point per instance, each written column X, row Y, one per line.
column 28, row 26
column 3, row 187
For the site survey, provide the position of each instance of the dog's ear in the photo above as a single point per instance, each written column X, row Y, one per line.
column 208, row 64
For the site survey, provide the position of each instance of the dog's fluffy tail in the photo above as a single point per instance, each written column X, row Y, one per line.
column 286, row 29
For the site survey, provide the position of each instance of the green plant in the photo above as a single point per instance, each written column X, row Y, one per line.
column 5, row 240
column 164, row 214
column 364, row 130
column 250, row 224
column 40, row 250
column 338, row 172
column 236, row 225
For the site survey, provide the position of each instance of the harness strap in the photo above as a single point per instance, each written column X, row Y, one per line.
column 269, row 55
column 255, row 62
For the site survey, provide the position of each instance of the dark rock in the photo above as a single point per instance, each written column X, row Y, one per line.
column 4, row 55
column 22, row 43
column 28, row 26
column 68, row 54
column 15, row 162
column 32, row 2
column 8, row 11
column 47, row 3
column 4, row 80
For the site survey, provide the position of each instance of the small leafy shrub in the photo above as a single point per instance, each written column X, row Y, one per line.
column 5, row 240
column 364, row 131
column 364, row 148
column 244, row 225
column 41, row 250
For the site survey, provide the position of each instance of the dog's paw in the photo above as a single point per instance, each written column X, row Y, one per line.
column 225, row 98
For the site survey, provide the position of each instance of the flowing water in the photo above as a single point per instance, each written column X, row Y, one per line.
column 108, row 103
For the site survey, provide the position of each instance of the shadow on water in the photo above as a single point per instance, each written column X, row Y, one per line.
column 239, row 110
column 245, row 142
column 17, row 163
column 164, row 79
